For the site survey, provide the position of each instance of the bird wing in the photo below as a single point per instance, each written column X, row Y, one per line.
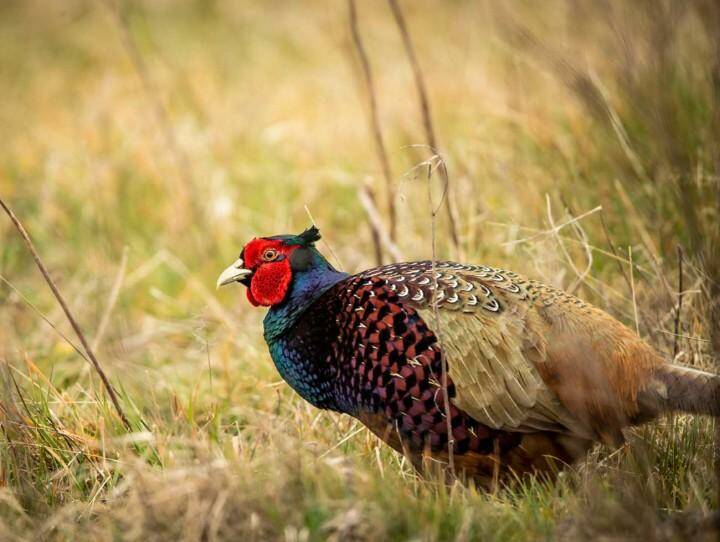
column 489, row 332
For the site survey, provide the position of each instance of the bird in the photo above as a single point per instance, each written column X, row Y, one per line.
column 498, row 374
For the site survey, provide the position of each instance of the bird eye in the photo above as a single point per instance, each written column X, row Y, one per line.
column 270, row 254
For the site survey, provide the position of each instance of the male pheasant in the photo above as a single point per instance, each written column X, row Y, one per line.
column 535, row 375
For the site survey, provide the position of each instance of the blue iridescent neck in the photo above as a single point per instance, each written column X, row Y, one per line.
column 307, row 285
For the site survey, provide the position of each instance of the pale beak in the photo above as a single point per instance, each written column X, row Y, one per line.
column 233, row 273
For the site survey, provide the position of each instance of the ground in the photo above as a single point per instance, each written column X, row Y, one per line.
column 144, row 143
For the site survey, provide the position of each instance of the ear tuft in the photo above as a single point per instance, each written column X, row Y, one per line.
column 309, row 236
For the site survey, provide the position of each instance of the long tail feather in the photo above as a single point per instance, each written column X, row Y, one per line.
column 690, row 390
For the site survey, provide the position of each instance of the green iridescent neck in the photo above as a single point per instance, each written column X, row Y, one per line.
column 307, row 286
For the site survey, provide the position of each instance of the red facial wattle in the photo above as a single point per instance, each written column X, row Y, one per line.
column 271, row 279
column 251, row 298
column 270, row 283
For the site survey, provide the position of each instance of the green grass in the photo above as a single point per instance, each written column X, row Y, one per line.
column 265, row 104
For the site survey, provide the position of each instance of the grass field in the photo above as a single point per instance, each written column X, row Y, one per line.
column 144, row 143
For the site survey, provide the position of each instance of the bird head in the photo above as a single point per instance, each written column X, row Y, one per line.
column 267, row 264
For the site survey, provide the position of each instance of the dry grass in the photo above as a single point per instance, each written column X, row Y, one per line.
column 544, row 115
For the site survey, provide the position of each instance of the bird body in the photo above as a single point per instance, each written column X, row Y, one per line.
column 535, row 376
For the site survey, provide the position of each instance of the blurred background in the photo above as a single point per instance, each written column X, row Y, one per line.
column 143, row 143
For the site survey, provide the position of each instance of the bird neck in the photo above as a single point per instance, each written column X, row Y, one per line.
column 307, row 285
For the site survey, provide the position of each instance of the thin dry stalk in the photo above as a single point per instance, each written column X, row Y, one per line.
column 635, row 218
column 374, row 117
column 678, row 309
column 632, row 291
column 438, row 328
column 96, row 364
column 619, row 129
column 580, row 275
column 618, row 259
column 367, row 199
column 553, row 230
column 574, row 78
column 43, row 317
column 381, row 236
column 426, row 115
column 613, row 255
column 112, row 300
column 180, row 159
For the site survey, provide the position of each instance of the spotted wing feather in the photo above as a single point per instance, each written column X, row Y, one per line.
column 388, row 372
column 488, row 334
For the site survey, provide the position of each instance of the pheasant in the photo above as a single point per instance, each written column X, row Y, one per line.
column 534, row 375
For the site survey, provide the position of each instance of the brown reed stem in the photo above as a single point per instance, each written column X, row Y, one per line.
column 374, row 118
column 96, row 364
column 426, row 115
column 367, row 199
column 381, row 237
column 438, row 328
column 678, row 310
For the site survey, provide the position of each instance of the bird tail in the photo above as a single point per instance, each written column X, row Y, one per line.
column 685, row 389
